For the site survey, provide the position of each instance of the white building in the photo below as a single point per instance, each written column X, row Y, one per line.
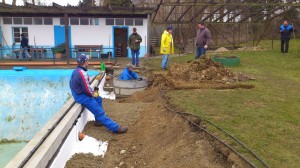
column 96, row 31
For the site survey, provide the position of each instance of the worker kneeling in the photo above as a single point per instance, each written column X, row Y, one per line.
column 89, row 98
column 128, row 73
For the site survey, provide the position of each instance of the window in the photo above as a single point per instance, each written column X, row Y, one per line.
column 84, row 21
column 48, row 21
column 74, row 21
column 110, row 21
column 7, row 20
column 94, row 21
column 129, row 22
column 62, row 21
column 38, row 21
column 27, row 21
column 18, row 20
column 17, row 31
column 119, row 21
column 138, row 22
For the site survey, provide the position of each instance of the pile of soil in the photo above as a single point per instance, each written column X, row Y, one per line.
column 204, row 73
column 221, row 49
column 156, row 138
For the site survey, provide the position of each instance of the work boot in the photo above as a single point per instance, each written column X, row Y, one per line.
column 122, row 130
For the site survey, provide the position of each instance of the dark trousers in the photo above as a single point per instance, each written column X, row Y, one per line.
column 135, row 57
column 284, row 46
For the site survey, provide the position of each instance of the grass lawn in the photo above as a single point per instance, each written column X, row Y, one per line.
column 266, row 118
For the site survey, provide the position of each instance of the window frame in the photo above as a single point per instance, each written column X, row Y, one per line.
column 88, row 21
column 20, row 32
column 139, row 20
column 11, row 20
column 119, row 19
column 20, row 19
column 24, row 18
column 36, row 19
column 74, row 19
column 44, row 20
column 111, row 19
column 94, row 21
column 127, row 19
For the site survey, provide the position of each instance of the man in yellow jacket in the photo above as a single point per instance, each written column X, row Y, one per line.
column 166, row 46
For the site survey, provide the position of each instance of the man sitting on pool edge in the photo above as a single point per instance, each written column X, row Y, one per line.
column 128, row 73
column 87, row 97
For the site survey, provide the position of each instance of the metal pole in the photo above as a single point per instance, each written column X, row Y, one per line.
column 109, row 48
column 148, row 34
column 261, row 36
column 66, row 19
column 295, row 39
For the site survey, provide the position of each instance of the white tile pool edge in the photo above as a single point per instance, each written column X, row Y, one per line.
column 49, row 147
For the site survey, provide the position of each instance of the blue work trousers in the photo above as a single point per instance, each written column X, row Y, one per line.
column 135, row 57
column 165, row 60
column 94, row 105
column 200, row 51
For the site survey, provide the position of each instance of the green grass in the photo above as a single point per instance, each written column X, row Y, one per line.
column 266, row 118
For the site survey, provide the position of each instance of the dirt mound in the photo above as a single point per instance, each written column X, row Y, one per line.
column 200, row 71
column 221, row 49
column 200, row 74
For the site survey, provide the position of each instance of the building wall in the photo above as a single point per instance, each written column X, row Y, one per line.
column 43, row 35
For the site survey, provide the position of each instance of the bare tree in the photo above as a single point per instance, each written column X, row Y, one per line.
column 25, row 1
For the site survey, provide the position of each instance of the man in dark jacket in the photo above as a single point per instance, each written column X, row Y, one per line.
column 134, row 42
column 285, row 30
column 202, row 40
column 24, row 46
column 89, row 98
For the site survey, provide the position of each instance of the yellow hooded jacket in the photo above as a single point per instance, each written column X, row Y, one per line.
column 166, row 43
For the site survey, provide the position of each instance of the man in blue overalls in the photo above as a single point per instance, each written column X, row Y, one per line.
column 87, row 97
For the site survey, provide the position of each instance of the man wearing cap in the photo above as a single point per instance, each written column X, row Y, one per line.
column 166, row 46
column 202, row 39
column 89, row 98
column 134, row 44
column 128, row 73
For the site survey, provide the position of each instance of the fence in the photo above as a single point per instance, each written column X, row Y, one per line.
column 49, row 53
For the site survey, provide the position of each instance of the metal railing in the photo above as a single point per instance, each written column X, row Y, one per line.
column 54, row 53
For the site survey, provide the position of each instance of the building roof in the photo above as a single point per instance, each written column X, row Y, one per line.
column 59, row 11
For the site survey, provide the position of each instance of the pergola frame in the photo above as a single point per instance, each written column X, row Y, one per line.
column 222, row 13
column 212, row 7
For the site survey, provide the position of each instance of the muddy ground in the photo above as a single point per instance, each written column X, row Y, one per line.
column 158, row 137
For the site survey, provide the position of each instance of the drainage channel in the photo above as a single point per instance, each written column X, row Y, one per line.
column 184, row 115
column 32, row 155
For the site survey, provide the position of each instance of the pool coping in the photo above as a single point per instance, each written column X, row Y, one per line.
column 43, row 155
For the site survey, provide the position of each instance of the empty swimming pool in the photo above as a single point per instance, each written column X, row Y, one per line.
column 28, row 100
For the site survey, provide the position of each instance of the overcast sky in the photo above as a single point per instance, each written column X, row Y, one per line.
column 48, row 2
